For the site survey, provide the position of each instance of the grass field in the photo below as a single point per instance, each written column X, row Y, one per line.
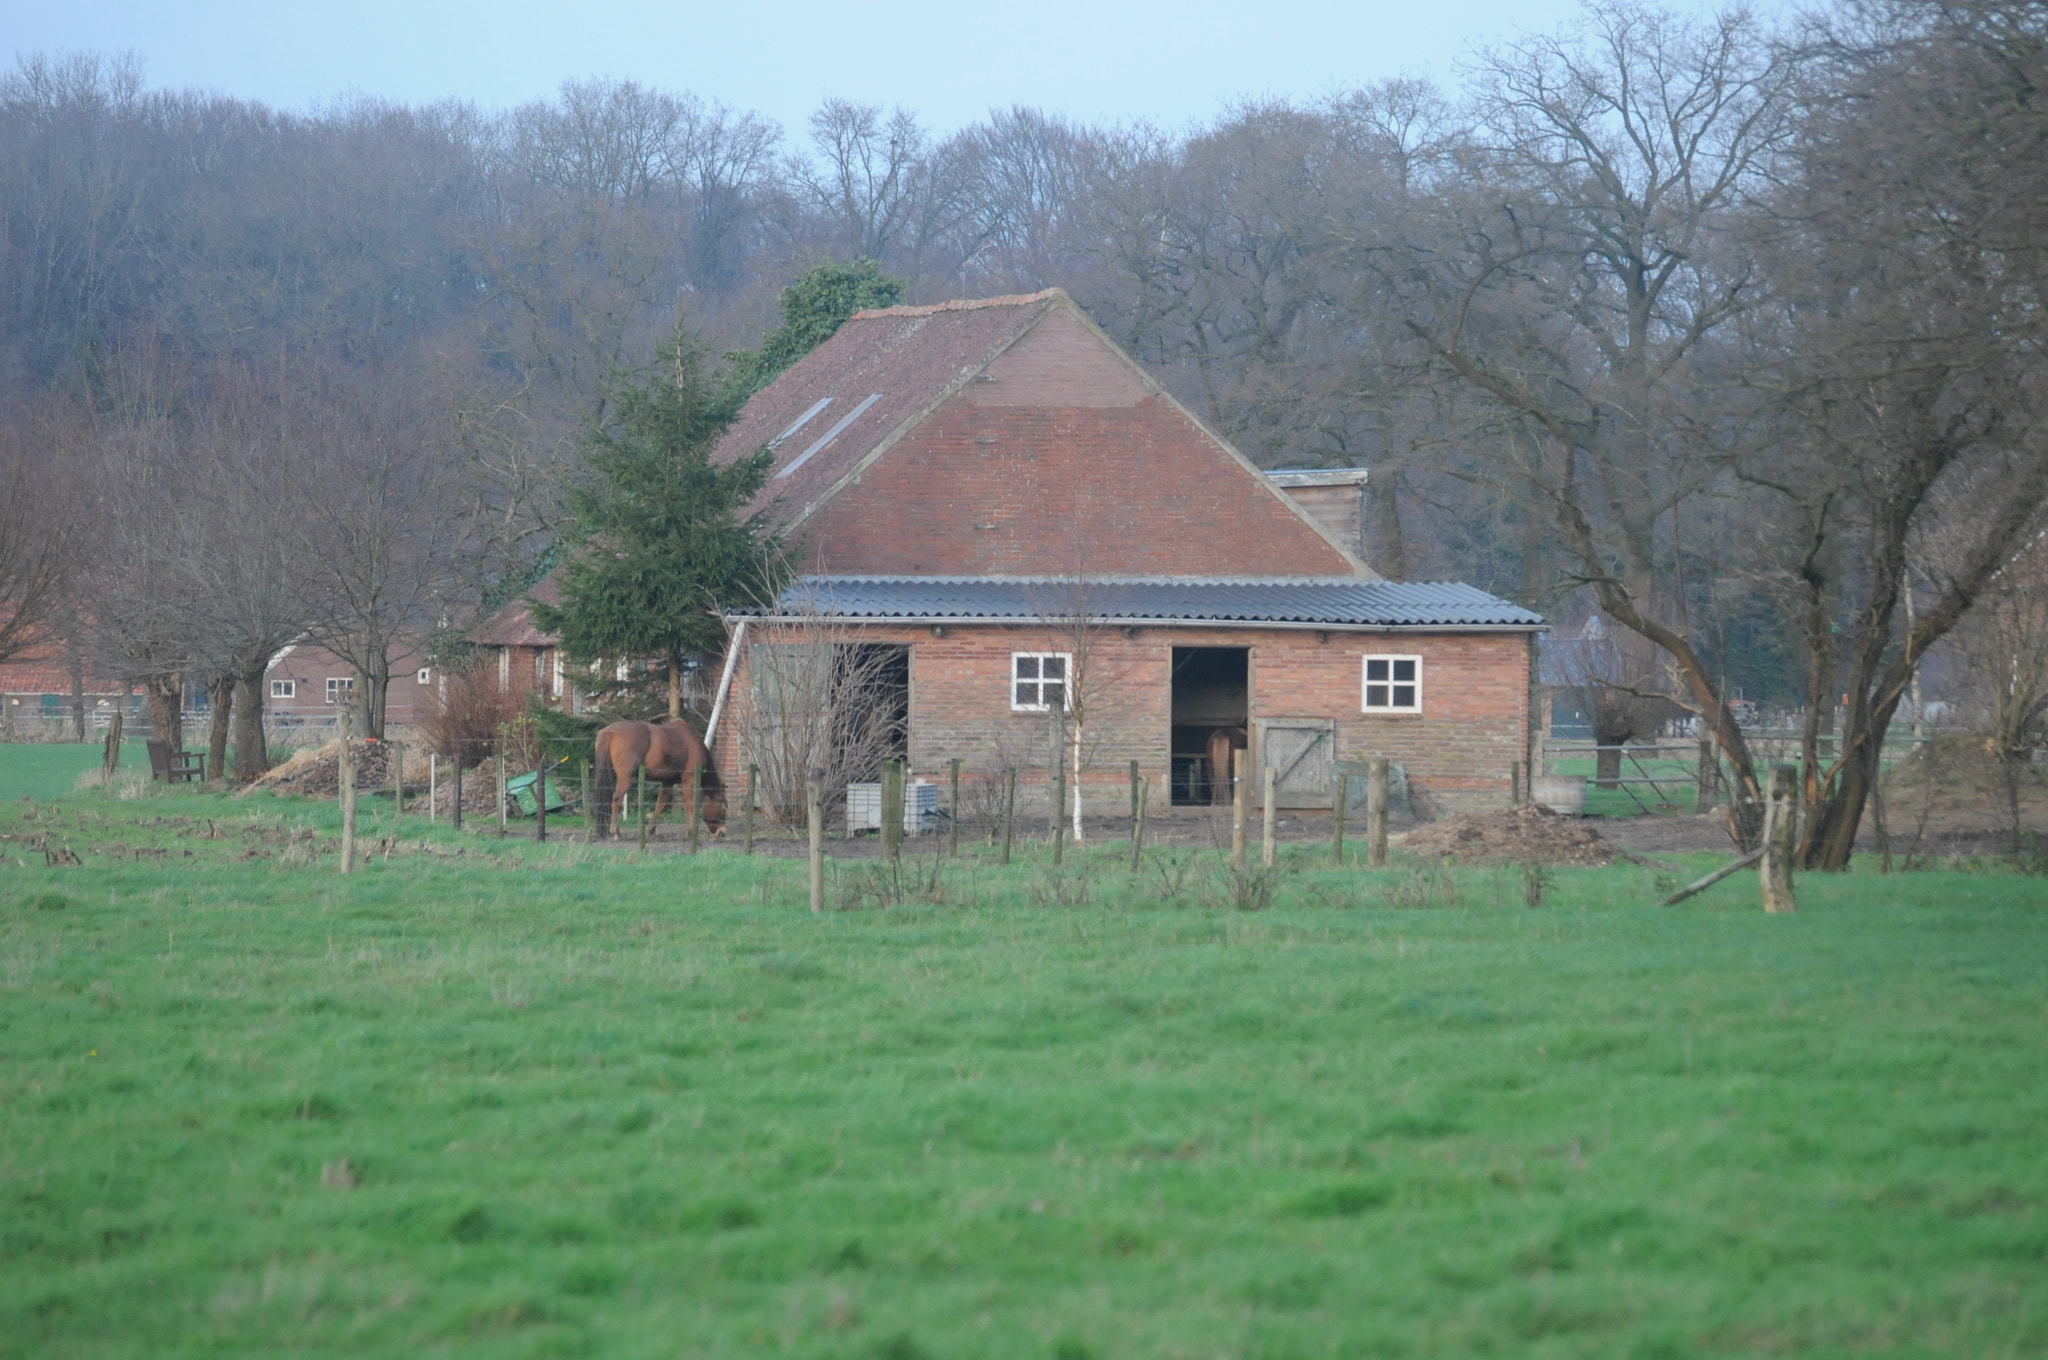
column 499, row 1099
column 49, row 769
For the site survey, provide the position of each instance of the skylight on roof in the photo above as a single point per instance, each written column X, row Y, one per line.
column 801, row 421
column 830, row 435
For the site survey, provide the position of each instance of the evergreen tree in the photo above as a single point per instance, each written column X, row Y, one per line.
column 813, row 308
column 663, row 546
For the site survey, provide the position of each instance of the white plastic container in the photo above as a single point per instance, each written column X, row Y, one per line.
column 920, row 807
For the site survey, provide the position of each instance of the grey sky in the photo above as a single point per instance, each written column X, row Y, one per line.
column 949, row 63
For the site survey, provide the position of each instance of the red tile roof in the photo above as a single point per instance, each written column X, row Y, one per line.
column 45, row 668
column 512, row 624
column 906, row 358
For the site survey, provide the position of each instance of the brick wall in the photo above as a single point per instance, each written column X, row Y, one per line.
column 1063, row 463
column 1460, row 750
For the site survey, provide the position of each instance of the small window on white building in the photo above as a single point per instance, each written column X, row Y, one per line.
column 1393, row 684
column 426, row 675
column 284, row 689
column 1038, row 680
column 340, row 688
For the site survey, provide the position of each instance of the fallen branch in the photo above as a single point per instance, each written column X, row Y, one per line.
column 1702, row 884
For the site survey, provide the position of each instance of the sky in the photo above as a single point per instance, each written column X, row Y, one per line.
column 949, row 63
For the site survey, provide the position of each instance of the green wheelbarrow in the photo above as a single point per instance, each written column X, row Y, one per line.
column 520, row 791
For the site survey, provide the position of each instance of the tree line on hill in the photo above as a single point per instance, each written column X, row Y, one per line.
column 1732, row 336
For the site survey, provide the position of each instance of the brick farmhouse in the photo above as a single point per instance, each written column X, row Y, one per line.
column 1000, row 505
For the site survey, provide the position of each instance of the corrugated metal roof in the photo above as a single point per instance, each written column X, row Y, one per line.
column 1314, row 602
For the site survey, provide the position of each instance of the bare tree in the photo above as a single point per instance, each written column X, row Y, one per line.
column 393, row 525
column 866, row 179
column 1915, row 257
column 815, row 706
column 40, row 524
column 1590, row 262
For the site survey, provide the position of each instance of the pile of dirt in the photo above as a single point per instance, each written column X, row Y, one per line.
column 479, row 793
column 1522, row 835
column 316, row 772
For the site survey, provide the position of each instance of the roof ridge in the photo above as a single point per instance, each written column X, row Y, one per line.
column 919, row 578
column 960, row 305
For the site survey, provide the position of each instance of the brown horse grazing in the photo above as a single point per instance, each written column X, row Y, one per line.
column 672, row 754
column 1222, row 742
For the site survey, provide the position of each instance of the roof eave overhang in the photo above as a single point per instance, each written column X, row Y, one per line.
column 982, row 621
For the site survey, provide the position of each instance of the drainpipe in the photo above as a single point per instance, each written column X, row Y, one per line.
column 732, row 660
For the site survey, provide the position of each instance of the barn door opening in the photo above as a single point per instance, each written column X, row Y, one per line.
column 871, row 699
column 1211, row 690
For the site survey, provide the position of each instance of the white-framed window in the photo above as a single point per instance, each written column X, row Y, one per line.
column 340, row 688
column 284, row 689
column 1393, row 684
column 426, row 675
column 1038, row 680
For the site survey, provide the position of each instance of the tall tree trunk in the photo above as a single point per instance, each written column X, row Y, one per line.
column 675, row 687
column 222, row 692
column 376, row 690
column 163, row 694
column 251, row 757
column 1832, row 838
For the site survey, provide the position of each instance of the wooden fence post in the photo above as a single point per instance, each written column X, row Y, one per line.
column 953, row 810
column 455, row 817
column 892, row 810
column 433, row 783
column 1138, row 823
column 110, row 758
column 504, row 794
column 583, row 802
column 1376, row 812
column 397, row 783
column 1238, row 798
column 641, row 803
column 1781, row 830
column 1134, row 798
column 814, row 815
column 1343, row 795
column 347, row 781
column 1271, row 826
column 696, row 810
column 540, row 797
column 748, row 815
column 1706, row 780
column 1009, row 809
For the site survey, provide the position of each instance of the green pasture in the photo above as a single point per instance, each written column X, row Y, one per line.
column 492, row 1098
column 50, row 769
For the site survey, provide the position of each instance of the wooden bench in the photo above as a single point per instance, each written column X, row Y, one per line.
column 172, row 766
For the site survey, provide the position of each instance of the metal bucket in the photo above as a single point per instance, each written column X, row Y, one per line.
column 1561, row 793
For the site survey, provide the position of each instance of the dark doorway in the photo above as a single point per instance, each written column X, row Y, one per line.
column 871, row 701
column 1211, row 689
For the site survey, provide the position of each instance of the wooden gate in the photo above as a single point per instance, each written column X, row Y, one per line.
column 1301, row 752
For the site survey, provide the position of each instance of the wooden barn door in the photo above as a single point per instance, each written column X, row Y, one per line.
column 1301, row 752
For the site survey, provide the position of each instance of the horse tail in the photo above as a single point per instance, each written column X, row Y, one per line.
column 607, row 787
